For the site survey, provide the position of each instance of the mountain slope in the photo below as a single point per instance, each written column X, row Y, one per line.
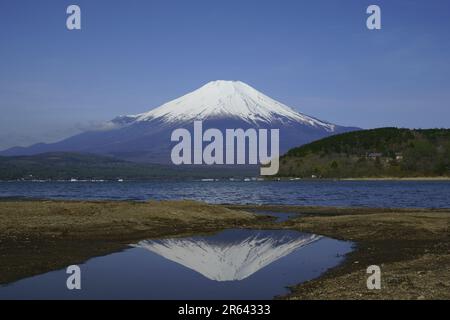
column 220, row 104
column 225, row 99
column 385, row 152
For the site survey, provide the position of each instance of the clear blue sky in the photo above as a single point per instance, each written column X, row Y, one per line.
column 131, row 56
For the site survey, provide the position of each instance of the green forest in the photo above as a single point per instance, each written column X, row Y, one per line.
column 377, row 153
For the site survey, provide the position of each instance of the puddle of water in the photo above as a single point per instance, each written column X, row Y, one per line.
column 234, row 264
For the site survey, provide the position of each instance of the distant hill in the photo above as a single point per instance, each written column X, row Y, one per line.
column 66, row 166
column 378, row 153
column 62, row 165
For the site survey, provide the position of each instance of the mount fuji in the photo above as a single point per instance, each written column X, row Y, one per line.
column 223, row 105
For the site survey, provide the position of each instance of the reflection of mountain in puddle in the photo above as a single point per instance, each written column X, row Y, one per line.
column 232, row 255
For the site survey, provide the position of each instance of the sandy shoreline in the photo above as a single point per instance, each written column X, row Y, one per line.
column 412, row 246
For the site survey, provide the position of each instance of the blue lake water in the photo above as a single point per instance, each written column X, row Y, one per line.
column 418, row 194
column 234, row 264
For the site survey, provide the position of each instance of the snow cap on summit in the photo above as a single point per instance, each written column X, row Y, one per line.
column 227, row 99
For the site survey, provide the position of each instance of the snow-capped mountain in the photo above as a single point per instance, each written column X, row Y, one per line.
column 219, row 104
column 222, row 100
column 222, row 260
